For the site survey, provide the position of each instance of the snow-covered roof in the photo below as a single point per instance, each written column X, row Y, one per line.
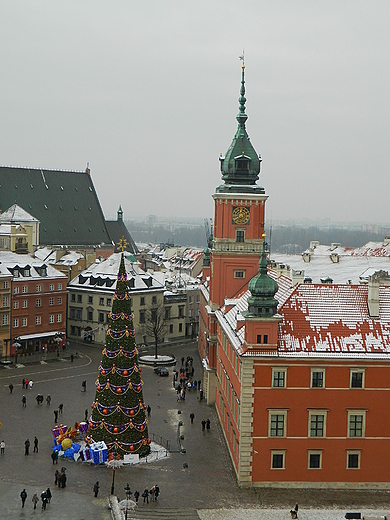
column 16, row 214
column 9, row 261
column 103, row 276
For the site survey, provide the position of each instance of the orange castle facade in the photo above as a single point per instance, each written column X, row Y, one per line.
column 299, row 375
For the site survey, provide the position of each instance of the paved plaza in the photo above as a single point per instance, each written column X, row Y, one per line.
column 201, row 479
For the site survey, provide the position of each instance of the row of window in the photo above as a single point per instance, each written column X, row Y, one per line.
column 38, row 287
column 107, row 302
column 356, row 420
column 38, row 302
column 317, row 379
column 24, row 322
column 314, row 460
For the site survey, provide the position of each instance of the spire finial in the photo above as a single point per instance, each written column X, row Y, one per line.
column 241, row 116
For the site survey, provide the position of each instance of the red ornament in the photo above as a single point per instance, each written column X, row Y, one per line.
column 131, row 412
column 99, row 388
column 140, row 369
column 138, row 388
column 149, row 441
column 119, row 390
column 141, row 427
column 115, row 430
column 131, row 447
column 103, row 372
column 125, row 373
column 92, row 405
column 104, row 410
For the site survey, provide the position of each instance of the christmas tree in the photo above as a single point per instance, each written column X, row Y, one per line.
column 118, row 412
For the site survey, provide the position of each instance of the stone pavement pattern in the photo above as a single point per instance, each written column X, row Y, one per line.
column 206, row 485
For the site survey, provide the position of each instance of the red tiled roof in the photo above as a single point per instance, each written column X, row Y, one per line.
column 334, row 319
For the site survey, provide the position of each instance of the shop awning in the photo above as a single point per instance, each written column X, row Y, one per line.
column 39, row 335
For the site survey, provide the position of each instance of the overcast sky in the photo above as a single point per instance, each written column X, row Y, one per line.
column 147, row 93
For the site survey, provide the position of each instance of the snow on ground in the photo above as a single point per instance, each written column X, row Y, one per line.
column 283, row 514
column 152, row 358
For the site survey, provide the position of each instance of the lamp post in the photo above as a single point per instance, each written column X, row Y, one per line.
column 128, row 495
column 114, row 464
column 16, row 345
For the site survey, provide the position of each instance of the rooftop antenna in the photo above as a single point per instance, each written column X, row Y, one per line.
column 242, row 58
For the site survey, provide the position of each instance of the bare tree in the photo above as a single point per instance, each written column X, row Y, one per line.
column 156, row 324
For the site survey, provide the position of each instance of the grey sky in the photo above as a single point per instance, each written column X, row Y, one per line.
column 147, row 93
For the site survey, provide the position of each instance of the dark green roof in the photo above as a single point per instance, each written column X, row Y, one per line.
column 117, row 229
column 65, row 203
column 241, row 165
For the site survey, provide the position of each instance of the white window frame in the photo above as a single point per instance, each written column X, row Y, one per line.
column 39, row 288
column 5, row 319
column 25, row 289
column 272, row 413
column 239, row 231
column 24, row 304
column 16, row 304
column 52, row 287
column 354, row 452
column 59, row 300
column 15, row 323
column 51, row 301
column 275, row 370
column 239, row 273
column 6, row 284
column 24, row 322
column 38, row 302
column 278, row 452
column 316, row 412
column 16, row 289
column 59, row 287
column 356, row 371
column 6, row 300
column 313, row 371
column 356, row 413
column 314, row 452
column 51, row 318
column 59, row 318
column 38, row 320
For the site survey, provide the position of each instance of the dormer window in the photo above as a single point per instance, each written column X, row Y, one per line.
column 242, row 164
column 26, row 272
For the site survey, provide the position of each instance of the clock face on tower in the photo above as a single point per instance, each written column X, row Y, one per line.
column 240, row 215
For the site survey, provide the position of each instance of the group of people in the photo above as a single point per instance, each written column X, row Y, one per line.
column 60, row 478
column 186, row 381
column 27, row 446
column 206, row 425
column 153, row 492
column 45, row 497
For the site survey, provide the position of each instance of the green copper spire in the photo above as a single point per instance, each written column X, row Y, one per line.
column 241, row 165
column 263, row 288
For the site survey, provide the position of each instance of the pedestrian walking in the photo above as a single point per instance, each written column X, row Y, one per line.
column 44, row 500
column 56, row 475
column 156, row 492
column 203, row 425
column 48, row 495
column 55, row 416
column 182, row 361
column 86, row 415
column 23, row 496
column 199, row 383
column 192, row 417
column 149, row 409
column 30, row 385
column 145, row 494
column 2, row 447
column 71, row 358
column 152, row 492
column 23, row 382
column 54, row 456
column 24, row 401
column 26, row 446
column 35, row 500
column 48, row 400
column 208, row 425
column 136, row 496
column 35, row 445
column 84, row 386
column 11, row 387
column 96, row 488
column 60, row 408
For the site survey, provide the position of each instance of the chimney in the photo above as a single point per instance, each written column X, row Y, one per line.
column 297, row 277
column 373, row 296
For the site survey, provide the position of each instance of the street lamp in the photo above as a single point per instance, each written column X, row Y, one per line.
column 16, row 345
column 128, row 495
column 114, row 464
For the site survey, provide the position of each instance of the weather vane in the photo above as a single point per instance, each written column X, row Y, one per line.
column 122, row 244
column 242, row 58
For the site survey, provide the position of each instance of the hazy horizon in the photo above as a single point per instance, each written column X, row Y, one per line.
column 147, row 94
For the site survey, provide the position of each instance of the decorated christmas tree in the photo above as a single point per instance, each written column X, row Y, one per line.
column 118, row 412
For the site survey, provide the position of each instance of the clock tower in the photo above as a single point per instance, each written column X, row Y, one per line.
column 239, row 209
column 232, row 257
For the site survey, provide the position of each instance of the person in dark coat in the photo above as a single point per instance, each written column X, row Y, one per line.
column 86, row 415
column 56, row 475
column 55, row 416
column 23, row 496
column 208, row 425
column 27, row 446
column 48, row 495
column 192, row 416
column 145, row 494
column 24, row 401
column 44, row 500
column 136, row 496
column 11, row 387
column 23, row 382
column 35, row 445
column 203, row 425
column 96, row 488
column 149, row 409
column 156, row 492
